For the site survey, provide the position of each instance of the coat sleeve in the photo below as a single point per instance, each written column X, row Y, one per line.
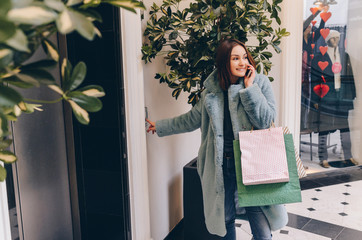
column 187, row 122
column 259, row 102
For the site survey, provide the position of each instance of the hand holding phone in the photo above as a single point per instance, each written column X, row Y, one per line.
column 249, row 76
column 248, row 73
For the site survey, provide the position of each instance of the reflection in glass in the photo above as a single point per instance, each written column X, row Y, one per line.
column 328, row 83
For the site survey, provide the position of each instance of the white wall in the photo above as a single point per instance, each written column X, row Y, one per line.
column 354, row 49
column 167, row 156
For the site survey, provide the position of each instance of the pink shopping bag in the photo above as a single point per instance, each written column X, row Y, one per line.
column 263, row 156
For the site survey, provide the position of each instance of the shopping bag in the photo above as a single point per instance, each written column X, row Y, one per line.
column 301, row 171
column 273, row 193
column 263, row 156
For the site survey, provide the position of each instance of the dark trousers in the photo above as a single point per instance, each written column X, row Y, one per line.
column 345, row 142
column 258, row 222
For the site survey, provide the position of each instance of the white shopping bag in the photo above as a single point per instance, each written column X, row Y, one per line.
column 263, row 156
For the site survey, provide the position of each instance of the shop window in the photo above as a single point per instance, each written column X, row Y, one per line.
column 331, row 96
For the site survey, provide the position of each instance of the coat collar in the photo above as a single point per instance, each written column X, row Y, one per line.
column 212, row 83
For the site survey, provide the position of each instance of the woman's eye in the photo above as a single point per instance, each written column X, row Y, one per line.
column 235, row 58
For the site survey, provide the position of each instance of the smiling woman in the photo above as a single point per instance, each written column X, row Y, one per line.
column 231, row 102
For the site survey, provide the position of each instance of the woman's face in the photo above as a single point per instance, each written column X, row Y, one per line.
column 333, row 42
column 238, row 61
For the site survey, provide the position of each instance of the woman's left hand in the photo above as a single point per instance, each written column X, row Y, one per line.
column 248, row 80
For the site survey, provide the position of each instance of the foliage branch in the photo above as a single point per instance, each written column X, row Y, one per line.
column 26, row 26
column 188, row 38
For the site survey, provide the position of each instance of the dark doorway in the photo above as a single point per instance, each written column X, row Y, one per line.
column 100, row 162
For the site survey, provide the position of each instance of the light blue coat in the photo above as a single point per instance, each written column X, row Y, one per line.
column 252, row 106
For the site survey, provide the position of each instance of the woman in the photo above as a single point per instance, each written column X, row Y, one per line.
column 232, row 101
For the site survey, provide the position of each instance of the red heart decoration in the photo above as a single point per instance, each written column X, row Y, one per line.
column 321, row 90
column 314, row 22
column 323, row 49
column 311, row 56
column 314, row 10
column 313, row 45
column 324, row 32
column 322, row 65
column 325, row 16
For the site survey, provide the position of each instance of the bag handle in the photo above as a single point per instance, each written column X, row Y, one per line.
column 271, row 125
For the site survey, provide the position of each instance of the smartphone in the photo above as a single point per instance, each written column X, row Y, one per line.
column 248, row 73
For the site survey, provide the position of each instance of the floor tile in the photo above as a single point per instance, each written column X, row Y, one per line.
column 297, row 234
column 245, row 226
column 323, row 228
column 349, row 234
column 296, row 221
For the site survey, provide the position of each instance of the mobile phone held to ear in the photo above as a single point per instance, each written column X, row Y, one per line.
column 248, row 73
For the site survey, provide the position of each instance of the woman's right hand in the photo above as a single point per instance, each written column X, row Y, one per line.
column 152, row 126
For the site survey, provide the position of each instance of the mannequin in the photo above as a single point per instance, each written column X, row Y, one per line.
column 334, row 96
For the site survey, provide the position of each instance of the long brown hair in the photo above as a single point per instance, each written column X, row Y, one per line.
column 223, row 54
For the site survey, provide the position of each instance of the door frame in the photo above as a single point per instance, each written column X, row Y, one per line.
column 131, row 37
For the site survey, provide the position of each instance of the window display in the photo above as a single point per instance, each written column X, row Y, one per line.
column 328, row 86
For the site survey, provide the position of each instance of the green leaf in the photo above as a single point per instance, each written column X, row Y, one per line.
column 70, row 20
column 92, row 91
column 57, row 5
column 81, row 115
column 90, row 3
column 90, row 104
column 176, row 92
column 78, row 75
column 65, row 23
column 32, row 15
column 7, row 29
column 4, row 130
column 2, row 173
column 40, row 75
column 5, row 143
column 267, row 54
column 66, row 73
column 9, row 97
column 50, row 49
column 90, row 13
column 6, row 56
column 26, row 79
column 7, row 156
column 15, row 81
column 18, row 41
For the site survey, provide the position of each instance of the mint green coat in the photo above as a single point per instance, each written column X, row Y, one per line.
column 252, row 106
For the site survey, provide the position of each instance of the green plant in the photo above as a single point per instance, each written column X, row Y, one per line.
column 27, row 25
column 189, row 38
